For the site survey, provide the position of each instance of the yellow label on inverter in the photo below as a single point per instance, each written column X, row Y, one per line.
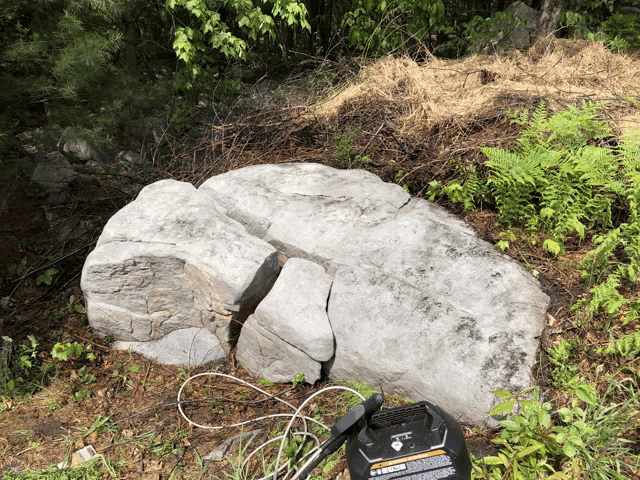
column 408, row 459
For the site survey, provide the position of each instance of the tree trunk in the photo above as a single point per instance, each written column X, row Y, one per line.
column 548, row 22
column 129, row 27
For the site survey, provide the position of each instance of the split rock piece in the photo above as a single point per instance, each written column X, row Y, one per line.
column 423, row 346
column 172, row 260
column 289, row 331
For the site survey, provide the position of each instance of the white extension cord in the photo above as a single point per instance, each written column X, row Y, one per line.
column 309, row 456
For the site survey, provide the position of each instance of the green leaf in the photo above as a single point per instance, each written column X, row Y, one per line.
column 491, row 460
column 552, row 246
column 502, row 407
column 569, row 450
column 544, row 419
column 502, row 245
column 575, row 440
column 510, row 425
column 587, row 394
column 547, row 212
column 528, row 450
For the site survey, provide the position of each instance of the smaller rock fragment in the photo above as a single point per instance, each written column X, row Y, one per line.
column 222, row 450
column 290, row 332
column 296, row 309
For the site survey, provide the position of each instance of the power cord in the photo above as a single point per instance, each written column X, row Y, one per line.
column 310, row 456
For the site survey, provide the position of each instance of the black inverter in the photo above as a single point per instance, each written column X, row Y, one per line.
column 411, row 442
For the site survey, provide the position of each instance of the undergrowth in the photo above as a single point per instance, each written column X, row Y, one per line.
column 570, row 179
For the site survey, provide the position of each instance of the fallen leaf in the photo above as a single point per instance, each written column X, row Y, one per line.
column 553, row 321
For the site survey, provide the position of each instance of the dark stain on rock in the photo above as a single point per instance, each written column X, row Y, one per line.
column 430, row 308
column 468, row 326
column 499, row 369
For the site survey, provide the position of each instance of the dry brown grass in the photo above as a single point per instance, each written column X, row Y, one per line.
column 419, row 96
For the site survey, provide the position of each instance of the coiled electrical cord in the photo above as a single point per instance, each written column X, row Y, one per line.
column 309, row 456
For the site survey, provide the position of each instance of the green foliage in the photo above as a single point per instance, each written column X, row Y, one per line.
column 18, row 268
column 121, row 377
column 59, row 49
column 483, row 34
column 46, row 276
column 351, row 399
column 298, row 379
column 89, row 471
column 598, row 20
column 342, row 153
column 67, row 350
column 79, row 394
column 561, row 357
column 553, row 178
column 532, row 446
column 556, row 179
column 266, row 383
column 627, row 346
column 382, row 27
column 74, row 306
column 207, row 30
column 468, row 190
column 17, row 365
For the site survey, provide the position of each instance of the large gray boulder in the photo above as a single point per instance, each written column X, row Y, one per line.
column 420, row 305
column 172, row 260
column 289, row 332
column 308, row 210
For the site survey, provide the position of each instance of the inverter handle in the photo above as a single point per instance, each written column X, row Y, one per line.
column 340, row 431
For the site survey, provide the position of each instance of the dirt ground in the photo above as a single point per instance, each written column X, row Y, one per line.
column 414, row 123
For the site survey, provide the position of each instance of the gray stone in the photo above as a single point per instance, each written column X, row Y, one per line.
column 244, row 439
column 419, row 276
column 522, row 33
column 26, row 166
column 289, row 332
column 63, row 225
column 295, row 309
column 83, row 146
column 129, row 159
column 143, row 133
column 172, row 260
column 186, row 347
column 307, row 210
column 264, row 354
column 53, row 172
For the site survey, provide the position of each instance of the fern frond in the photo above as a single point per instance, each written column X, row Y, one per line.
column 630, row 150
column 625, row 346
column 598, row 166
column 606, row 297
column 509, row 168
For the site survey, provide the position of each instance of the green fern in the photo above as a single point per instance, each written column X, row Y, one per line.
column 466, row 191
column 555, row 178
column 629, row 345
column 606, row 297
